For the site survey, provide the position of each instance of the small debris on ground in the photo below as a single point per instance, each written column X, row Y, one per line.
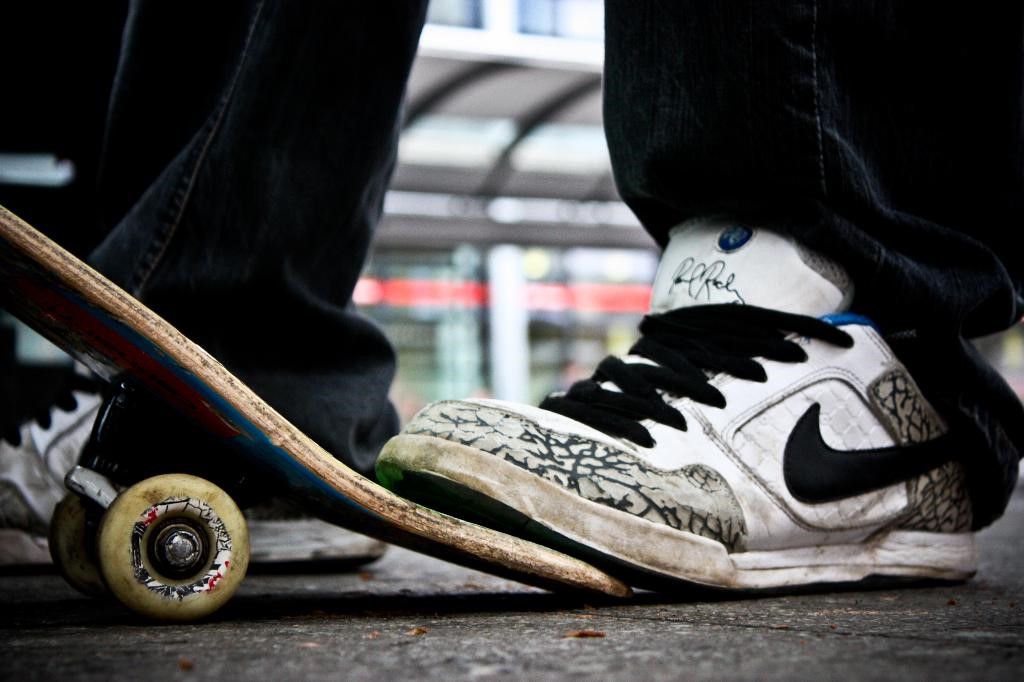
column 366, row 575
column 951, row 602
column 373, row 635
column 780, row 627
column 307, row 645
column 185, row 664
column 417, row 631
column 583, row 634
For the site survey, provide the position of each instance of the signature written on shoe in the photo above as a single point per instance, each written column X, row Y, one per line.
column 703, row 280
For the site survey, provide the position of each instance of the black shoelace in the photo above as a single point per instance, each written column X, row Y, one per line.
column 689, row 345
column 65, row 401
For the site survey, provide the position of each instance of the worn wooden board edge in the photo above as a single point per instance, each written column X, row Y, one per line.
column 433, row 532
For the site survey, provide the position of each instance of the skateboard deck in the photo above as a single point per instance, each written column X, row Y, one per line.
column 115, row 335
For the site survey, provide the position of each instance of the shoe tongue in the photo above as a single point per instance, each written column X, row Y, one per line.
column 716, row 261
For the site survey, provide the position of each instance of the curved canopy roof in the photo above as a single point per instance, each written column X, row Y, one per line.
column 508, row 130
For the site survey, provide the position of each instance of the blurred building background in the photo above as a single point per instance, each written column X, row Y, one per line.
column 505, row 266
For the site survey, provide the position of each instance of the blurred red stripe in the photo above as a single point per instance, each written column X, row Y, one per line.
column 542, row 296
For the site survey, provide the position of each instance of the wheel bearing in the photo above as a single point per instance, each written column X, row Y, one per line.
column 179, row 548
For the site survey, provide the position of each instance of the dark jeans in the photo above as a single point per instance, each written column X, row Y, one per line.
column 888, row 135
column 247, row 155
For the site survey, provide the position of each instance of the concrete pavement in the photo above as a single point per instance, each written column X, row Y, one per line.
column 412, row 617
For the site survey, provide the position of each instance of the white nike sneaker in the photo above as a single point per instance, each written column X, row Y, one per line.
column 33, row 461
column 770, row 444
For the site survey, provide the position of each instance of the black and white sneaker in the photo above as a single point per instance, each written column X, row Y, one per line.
column 34, row 458
column 770, row 444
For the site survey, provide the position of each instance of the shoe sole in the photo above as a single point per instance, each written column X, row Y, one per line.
column 280, row 544
column 20, row 548
column 465, row 481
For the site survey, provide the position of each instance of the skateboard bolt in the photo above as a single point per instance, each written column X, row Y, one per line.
column 179, row 549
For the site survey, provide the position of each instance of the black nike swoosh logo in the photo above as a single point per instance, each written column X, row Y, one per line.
column 815, row 472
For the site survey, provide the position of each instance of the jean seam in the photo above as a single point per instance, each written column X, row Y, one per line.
column 817, row 98
column 158, row 247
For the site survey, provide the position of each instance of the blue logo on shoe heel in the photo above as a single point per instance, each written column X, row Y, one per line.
column 734, row 237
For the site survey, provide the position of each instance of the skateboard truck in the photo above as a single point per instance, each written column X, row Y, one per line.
column 185, row 534
column 91, row 485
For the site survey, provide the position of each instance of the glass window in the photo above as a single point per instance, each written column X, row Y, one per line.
column 582, row 19
column 455, row 13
